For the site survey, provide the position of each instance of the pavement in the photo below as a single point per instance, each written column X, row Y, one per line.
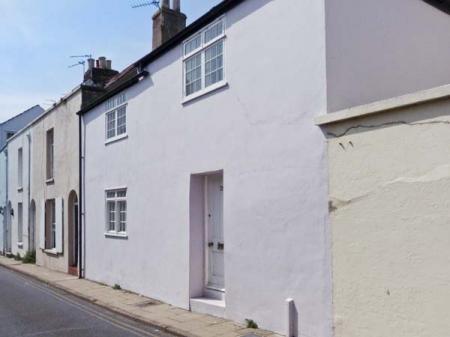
column 162, row 316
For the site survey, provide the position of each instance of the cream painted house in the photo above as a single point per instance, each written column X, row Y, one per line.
column 389, row 172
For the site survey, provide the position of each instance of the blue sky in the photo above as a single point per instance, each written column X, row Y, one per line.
column 38, row 36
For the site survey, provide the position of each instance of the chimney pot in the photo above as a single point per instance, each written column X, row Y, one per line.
column 91, row 63
column 176, row 5
column 165, row 4
column 108, row 64
column 102, row 62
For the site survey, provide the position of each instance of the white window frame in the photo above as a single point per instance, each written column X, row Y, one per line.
column 202, row 50
column 112, row 106
column 116, row 200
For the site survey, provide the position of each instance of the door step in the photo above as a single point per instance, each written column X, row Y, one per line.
column 209, row 306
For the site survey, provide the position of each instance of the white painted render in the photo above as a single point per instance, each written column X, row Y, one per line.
column 389, row 194
column 2, row 198
column 384, row 48
column 18, row 193
column 260, row 131
column 64, row 120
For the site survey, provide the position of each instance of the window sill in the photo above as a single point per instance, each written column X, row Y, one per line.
column 123, row 236
column 20, row 244
column 20, row 189
column 116, row 139
column 50, row 181
column 51, row 251
column 203, row 92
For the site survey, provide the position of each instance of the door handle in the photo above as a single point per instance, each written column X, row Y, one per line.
column 220, row 245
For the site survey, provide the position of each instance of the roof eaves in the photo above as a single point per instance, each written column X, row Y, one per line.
column 139, row 65
column 124, row 85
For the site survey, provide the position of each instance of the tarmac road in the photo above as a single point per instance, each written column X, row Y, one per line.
column 29, row 308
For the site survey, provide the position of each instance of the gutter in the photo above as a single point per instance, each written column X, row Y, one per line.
column 130, row 82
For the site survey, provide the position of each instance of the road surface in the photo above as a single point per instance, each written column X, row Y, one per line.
column 29, row 308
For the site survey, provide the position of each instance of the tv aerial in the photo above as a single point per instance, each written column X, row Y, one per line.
column 82, row 62
column 146, row 3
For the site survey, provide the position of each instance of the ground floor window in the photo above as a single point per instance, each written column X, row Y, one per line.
column 50, row 224
column 116, row 211
column 20, row 222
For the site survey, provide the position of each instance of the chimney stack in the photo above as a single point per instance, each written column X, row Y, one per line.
column 167, row 22
column 99, row 72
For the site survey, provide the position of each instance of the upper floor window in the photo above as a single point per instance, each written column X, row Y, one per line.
column 116, row 117
column 116, row 211
column 20, row 168
column 50, row 154
column 203, row 59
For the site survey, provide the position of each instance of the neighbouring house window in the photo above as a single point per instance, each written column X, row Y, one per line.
column 50, row 154
column 203, row 59
column 20, row 168
column 9, row 134
column 50, row 224
column 116, row 116
column 19, row 222
column 116, row 211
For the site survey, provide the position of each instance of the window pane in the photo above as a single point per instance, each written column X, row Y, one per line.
column 214, row 31
column 121, row 120
column 214, row 64
column 110, row 124
column 53, row 223
column 122, row 216
column 111, row 216
column 121, row 193
column 50, row 154
column 193, row 74
column 110, row 194
column 121, row 98
column 192, row 45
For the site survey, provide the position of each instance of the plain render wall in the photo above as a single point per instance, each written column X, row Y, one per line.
column 64, row 120
column 15, row 193
column 384, row 48
column 3, row 201
column 390, row 194
column 260, row 131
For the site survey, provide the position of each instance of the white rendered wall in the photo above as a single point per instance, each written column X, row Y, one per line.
column 15, row 193
column 2, row 196
column 381, row 49
column 260, row 131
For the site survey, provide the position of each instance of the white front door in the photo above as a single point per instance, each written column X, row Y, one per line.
column 214, row 232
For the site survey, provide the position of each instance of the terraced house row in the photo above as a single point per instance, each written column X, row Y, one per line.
column 278, row 160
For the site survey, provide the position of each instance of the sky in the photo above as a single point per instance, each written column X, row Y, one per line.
column 37, row 38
